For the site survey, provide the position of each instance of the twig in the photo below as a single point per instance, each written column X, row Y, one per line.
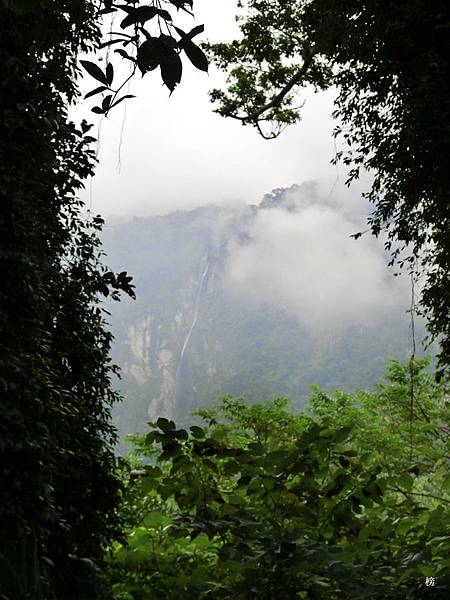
column 432, row 496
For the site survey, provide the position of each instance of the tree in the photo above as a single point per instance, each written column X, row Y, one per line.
column 258, row 503
column 389, row 62
column 59, row 491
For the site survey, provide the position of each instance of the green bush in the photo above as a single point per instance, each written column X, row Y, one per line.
column 259, row 503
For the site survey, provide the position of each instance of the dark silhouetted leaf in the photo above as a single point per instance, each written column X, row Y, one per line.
column 120, row 100
column 102, row 88
column 180, row 32
column 150, row 54
column 195, row 31
column 141, row 15
column 168, row 41
column 85, row 126
column 109, row 73
column 171, row 69
column 195, row 55
column 124, row 54
column 110, row 43
column 94, row 71
column 147, row 34
column 106, row 102
column 164, row 14
column 182, row 4
column 188, row 36
column 127, row 9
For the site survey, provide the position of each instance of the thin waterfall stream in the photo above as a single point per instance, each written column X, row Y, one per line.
column 198, row 297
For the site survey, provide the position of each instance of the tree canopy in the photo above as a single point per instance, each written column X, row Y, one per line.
column 59, row 491
column 257, row 503
column 389, row 62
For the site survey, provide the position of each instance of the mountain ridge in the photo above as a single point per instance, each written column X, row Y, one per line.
column 188, row 339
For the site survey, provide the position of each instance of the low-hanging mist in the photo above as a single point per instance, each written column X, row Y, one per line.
column 253, row 301
column 300, row 256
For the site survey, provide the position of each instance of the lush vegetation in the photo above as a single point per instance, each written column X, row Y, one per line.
column 58, row 488
column 350, row 502
column 234, row 348
column 257, row 503
column 390, row 65
column 59, row 491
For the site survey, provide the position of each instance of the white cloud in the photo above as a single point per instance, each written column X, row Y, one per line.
column 306, row 262
column 176, row 153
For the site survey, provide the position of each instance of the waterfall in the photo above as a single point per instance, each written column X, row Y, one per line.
column 198, row 297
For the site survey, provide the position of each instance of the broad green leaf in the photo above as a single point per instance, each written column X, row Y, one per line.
column 156, row 520
column 165, row 425
column 197, row 432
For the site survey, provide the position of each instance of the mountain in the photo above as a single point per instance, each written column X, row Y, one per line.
column 208, row 321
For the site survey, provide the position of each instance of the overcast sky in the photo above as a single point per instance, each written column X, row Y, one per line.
column 177, row 154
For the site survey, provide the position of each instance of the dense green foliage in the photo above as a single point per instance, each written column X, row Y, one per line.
column 257, row 503
column 389, row 62
column 58, row 487
column 351, row 502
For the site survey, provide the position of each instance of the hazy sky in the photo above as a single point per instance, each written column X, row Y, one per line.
column 176, row 153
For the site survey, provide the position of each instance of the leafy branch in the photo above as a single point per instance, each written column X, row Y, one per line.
column 255, row 116
column 423, row 494
column 156, row 42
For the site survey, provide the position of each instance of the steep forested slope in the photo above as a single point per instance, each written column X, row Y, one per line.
column 191, row 336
